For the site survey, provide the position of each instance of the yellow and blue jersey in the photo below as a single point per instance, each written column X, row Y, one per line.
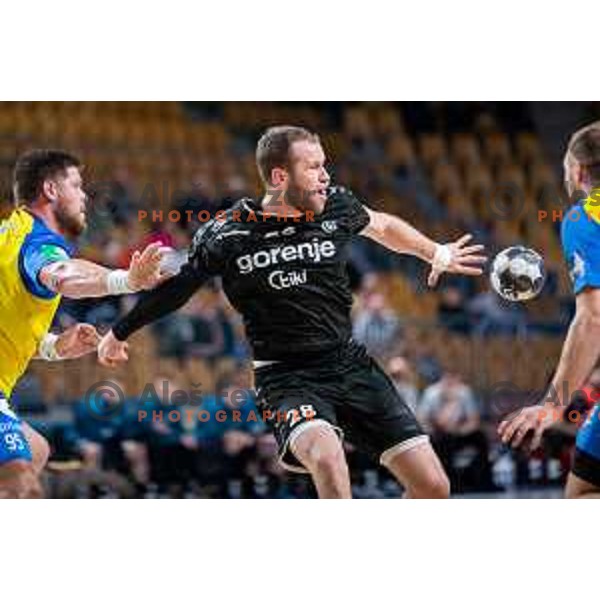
column 580, row 237
column 27, row 307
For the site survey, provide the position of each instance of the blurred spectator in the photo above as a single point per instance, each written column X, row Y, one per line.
column 171, row 432
column 233, row 415
column 108, row 433
column 202, row 329
column 497, row 316
column 376, row 326
column 452, row 313
column 404, row 380
column 449, row 406
column 208, row 331
column 427, row 366
column 231, row 425
column 449, row 411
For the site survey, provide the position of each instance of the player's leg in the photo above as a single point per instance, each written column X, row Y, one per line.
column 319, row 450
column 40, row 449
column 18, row 475
column 294, row 403
column 379, row 422
column 584, row 479
column 18, row 480
column 416, row 466
column 579, row 489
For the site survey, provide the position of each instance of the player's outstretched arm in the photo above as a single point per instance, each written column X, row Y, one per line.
column 580, row 353
column 159, row 302
column 74, row 342
column 76, row 278
column 397, row 235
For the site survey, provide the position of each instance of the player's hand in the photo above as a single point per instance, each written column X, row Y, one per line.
column 78, row 340
column 144, row 268
column 534, row 419
column 461, row 259
column 111, row 351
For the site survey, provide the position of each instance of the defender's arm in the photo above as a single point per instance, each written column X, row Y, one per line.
column 77, row 278
column 579, row 354
column 74, row 342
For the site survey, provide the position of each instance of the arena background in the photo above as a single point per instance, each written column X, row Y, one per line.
column 447, row 167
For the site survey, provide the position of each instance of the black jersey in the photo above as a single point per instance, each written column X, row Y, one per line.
column 286, row 277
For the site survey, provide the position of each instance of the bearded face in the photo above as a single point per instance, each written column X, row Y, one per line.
column 70, row 203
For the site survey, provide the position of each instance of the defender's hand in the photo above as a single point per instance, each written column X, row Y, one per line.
column 144, row 268
column 111, row 351
column 534, row 419
column 78, row 340
column 457, row 257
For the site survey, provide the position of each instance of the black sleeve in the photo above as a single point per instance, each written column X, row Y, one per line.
column 169, row 296
column 350, row 210
column 358, row 217
column 206, row 259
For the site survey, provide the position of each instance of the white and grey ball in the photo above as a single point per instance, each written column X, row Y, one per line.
column 518, row 273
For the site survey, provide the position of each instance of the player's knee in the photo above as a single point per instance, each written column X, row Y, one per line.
column 440, row 487
column 19, row 480
column 329, row 459
column 434, row 486
column 31, row 487
column 320, row 450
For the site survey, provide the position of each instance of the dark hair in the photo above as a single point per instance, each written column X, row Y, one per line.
column 584, row 147
column 273, row 148
column 34, row 167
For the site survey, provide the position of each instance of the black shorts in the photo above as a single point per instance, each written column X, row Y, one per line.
column 586, row 467
column 346, row 390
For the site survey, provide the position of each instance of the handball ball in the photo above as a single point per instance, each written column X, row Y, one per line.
column 518, row 274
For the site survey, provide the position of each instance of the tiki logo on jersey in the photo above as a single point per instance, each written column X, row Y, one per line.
column 280, row 280
column 313, row 251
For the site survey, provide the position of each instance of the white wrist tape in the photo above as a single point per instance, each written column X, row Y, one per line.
column 442, row 257
column 117, row 282
column 47, row 347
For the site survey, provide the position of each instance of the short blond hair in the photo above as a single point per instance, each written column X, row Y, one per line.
column 273, row 148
